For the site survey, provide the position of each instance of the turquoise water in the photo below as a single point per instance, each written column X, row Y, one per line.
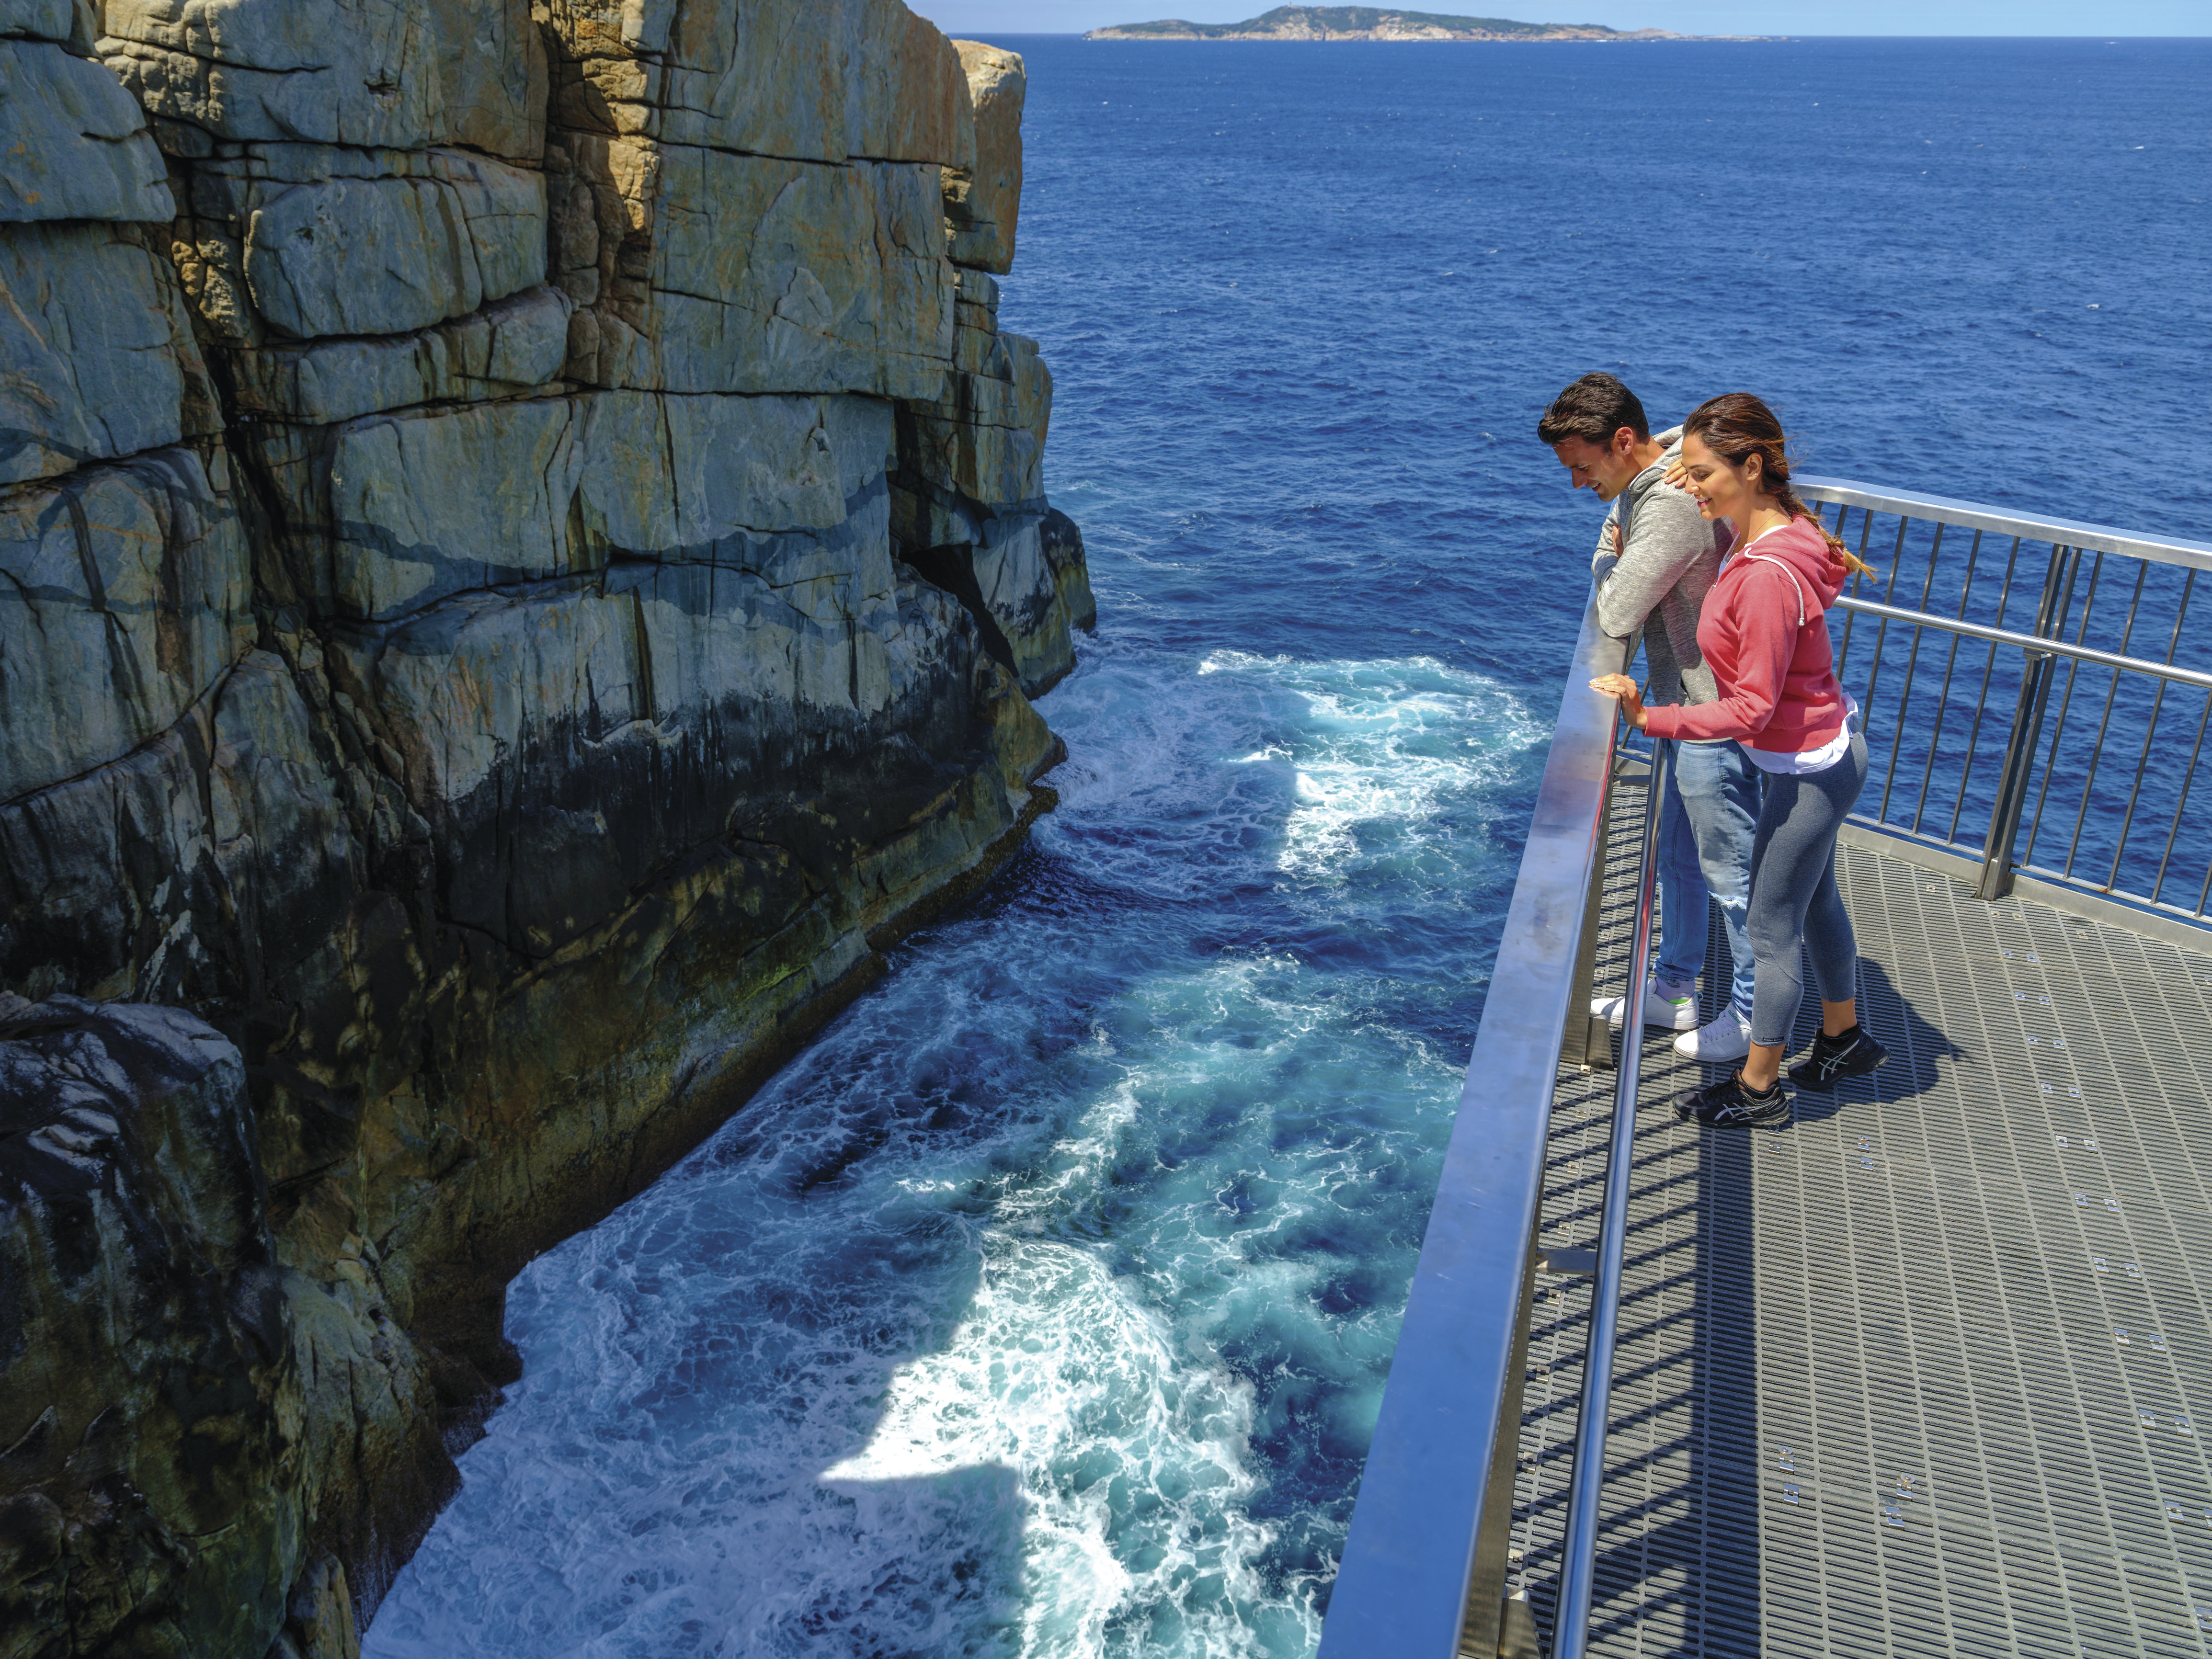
column 1040, row 1306
column 1043, row 1306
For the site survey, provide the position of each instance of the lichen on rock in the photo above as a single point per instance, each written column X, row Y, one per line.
column 526, row 563
column 153, row 1497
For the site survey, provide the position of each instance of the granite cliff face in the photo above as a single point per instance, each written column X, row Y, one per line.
column 525, row 566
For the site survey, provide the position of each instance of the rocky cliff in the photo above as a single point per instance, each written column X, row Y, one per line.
column 523, row 566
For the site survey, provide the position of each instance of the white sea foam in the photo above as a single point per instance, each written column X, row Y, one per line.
column 1385, row 745
column 1372, row 759
column 1133, row 1464
column 1005, row 1321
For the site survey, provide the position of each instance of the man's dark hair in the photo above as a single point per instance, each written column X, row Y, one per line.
column 1593, row 408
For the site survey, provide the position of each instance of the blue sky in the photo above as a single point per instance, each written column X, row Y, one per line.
column 2160, row 17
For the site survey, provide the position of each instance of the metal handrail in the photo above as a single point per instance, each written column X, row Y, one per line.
column 1450, row 1418
column 1578, row 1559
column 2047, row 786
column 2034, row 642
column 1423, row 1570
column 2028, row 527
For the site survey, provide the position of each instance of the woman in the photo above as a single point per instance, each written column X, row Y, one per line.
column 1763, row 633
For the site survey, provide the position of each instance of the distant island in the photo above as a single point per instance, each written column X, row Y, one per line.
column 1370, row 23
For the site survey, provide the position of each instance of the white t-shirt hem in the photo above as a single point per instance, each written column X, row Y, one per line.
column 1812, row 760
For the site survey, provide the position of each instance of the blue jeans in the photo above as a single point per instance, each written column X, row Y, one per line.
column 1706, row 825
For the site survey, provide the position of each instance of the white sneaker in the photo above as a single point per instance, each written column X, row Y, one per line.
column 1668, row 1014
column 1726, row 1037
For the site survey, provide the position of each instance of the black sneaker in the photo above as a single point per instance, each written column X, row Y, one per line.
column 1833, row 1059
column 1729, row 1105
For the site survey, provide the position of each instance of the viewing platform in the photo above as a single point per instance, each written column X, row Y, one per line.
column 1918, row 1376
column 1929, row 1370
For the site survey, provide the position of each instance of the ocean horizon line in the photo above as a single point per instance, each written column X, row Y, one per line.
column 973, row 32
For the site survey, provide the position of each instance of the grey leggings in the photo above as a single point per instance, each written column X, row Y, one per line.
column 1793, row 892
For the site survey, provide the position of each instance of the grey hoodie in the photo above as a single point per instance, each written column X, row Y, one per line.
column 1669, row 558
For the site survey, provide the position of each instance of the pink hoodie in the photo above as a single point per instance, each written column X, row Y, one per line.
column 1777, row 680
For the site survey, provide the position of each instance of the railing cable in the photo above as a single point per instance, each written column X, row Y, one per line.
column 1981, row 697
column 2188, row 777
column 2150, row 733
column 2035, row 642
column 1912, row 668
column 1944, row 695
column 2104, row 723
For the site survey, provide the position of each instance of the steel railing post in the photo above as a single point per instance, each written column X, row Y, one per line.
column 1589, row 1040
column 2036, row 675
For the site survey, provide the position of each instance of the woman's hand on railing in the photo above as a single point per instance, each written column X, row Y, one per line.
column 1622, row 690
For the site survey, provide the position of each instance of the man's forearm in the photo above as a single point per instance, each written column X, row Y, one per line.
column 1608, row 541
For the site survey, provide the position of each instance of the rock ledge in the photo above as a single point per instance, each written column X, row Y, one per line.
column 526, row 567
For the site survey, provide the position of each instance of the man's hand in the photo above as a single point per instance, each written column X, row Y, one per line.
column 1619, row 547
column 1622, row 690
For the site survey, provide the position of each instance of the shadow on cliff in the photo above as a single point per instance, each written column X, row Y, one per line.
column 937, row 1277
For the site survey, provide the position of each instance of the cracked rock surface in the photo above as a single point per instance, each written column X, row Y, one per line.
column 523, row 564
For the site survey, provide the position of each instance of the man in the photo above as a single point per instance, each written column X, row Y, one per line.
column 1656, row 559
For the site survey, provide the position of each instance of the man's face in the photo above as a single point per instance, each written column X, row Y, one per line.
column 1604, row 468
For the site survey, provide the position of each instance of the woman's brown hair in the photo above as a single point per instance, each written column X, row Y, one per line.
column 1736, row 426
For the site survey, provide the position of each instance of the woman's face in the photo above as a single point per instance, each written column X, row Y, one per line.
column 1721, row 491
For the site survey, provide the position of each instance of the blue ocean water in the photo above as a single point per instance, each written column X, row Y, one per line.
column 1043, row 1306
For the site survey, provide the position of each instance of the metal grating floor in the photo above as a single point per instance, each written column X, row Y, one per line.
column 1921, row 1375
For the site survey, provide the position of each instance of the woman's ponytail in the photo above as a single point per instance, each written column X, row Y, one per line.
column 1785, row 497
